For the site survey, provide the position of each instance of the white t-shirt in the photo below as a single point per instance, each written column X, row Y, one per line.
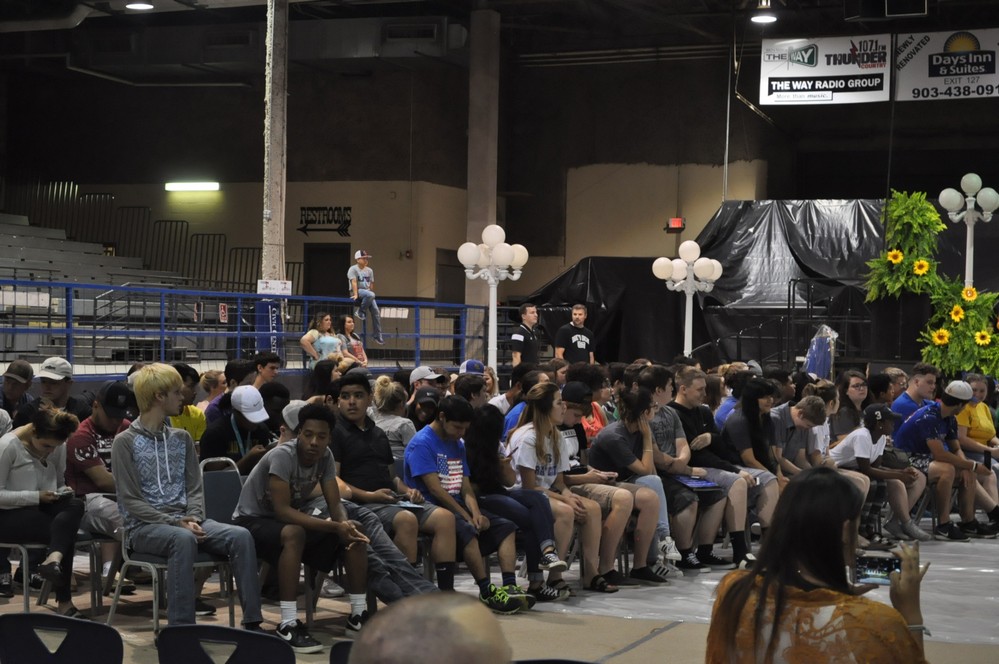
column 858, row 444
column 523, row 445
column 818, row 439
column 500, row 401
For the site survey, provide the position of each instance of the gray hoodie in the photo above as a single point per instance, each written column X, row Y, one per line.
column 157, row 476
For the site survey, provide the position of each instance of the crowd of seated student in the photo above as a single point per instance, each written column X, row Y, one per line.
column 583, row 447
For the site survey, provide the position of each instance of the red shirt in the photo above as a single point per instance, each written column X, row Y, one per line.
column 86, row 448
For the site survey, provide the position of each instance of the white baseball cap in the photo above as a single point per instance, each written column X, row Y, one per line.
column 56, row 368
column 247, row 400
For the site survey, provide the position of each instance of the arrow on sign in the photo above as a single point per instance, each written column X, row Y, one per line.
column 341, row 227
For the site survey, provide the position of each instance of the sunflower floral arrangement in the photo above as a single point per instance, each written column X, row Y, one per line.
column 962, row 333
column 906, row 264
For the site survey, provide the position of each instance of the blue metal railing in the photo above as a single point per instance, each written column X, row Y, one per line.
column 98, row 325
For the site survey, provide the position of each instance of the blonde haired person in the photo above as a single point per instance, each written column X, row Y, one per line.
column 541, row 457
column 492, row 382
column 35, row 503
column 212, row 382
column 390, row 414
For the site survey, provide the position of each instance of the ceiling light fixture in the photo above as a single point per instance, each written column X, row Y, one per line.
column 763, row 15
column 192, row 186
column 139, row 5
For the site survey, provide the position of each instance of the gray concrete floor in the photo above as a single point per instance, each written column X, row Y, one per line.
column 668, row 624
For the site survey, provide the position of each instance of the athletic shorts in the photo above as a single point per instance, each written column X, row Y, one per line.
column 386, row 513
column 321, row 549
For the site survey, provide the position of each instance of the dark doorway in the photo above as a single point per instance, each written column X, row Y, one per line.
column 326, row 266
column 450, row 278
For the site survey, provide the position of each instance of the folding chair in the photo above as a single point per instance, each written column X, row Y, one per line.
column 83, row 640
column 192, row 644
column 23, row 567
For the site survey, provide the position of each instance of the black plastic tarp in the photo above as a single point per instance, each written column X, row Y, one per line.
column 762, row 246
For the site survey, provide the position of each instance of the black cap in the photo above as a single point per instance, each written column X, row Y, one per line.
column 118, row 400
column 577, row 392
column 428, row 395
column 877, row 413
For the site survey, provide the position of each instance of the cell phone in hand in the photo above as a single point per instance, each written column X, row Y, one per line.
column 875, row 569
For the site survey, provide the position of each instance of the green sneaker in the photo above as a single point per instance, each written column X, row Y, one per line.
column 518, row 593
column 499, row 601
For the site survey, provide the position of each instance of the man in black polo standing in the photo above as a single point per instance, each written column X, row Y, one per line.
column 523, row 342
column 574, row 341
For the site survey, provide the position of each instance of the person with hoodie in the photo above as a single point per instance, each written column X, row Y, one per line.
column 161, row 498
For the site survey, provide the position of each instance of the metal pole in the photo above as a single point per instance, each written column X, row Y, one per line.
column 969, row 251
column 493, row 326
column 688, row 321
column 275, row 140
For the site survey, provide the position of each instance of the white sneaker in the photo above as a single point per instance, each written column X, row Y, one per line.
column 667, row 547
column 331, row 589
column 897, row 531
column 915, row 532
column 662, row 570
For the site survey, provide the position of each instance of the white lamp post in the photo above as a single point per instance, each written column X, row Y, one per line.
column 496, row 260
column 689, row 273
column 952, row 201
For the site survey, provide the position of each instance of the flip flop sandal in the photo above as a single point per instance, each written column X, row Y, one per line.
column 73, row 612
column 599, row 584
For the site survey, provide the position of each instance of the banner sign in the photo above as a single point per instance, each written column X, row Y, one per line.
column 267, row 326
column 947, row 65
column 826, row 70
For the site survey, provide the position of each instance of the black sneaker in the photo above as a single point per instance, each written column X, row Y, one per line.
column 6, row 586
column 646, row 576
column 550, row 562
column 299, row 638
column 546, row 593
column 978, row 530
column 498, row 601
column 516, row 592
column 356, row 621
column 203, row 608
column 949, row 532
column 615, row 578
column 716, row 563
column 691, row 563
column 37, row 581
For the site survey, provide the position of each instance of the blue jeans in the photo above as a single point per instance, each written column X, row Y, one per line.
column 179, row 546
column 370, row 305
column 655, row 483
column 390, row 575
column 532, row 513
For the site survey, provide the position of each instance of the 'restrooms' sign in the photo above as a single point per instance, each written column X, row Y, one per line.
column 826, row 70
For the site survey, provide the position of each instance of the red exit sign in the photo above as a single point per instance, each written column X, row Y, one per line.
column 675, row 225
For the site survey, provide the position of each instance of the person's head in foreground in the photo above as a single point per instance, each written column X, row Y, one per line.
column 432, row 629
column 802, row 568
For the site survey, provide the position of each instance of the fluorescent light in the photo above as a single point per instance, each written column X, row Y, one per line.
column 192, row 186
column 139, row 5
column 763, row 15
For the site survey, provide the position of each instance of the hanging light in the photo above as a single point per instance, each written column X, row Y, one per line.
column 139, row 5
column 763, row 15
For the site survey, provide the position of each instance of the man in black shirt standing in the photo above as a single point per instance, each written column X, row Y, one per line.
column 573, row 341
column 523, row 341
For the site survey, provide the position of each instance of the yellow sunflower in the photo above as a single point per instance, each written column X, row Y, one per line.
column 957, row 313
column 920, row 267
column 982, row 338
column 941, row 337
column 895, row 256
column 969, row 294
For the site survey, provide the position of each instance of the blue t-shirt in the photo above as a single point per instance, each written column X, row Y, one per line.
column 925, row 424
column 511, row 419
column 724, row 410
column 905, row 406
column 428, row 453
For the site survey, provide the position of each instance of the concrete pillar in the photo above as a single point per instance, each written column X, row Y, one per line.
column 275, row 139
column 483, row 130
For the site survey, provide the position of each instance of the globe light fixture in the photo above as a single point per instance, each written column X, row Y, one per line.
column 690, row 273
column 975, row 197
column 493, row 261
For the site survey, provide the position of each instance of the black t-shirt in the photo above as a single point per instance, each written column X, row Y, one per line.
column 524, row 341
column 574, row 436
column 696, row 421
column 577, row 342
column 223, row 438
column 74, row 405
column 738, row 435
column 363, row 457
